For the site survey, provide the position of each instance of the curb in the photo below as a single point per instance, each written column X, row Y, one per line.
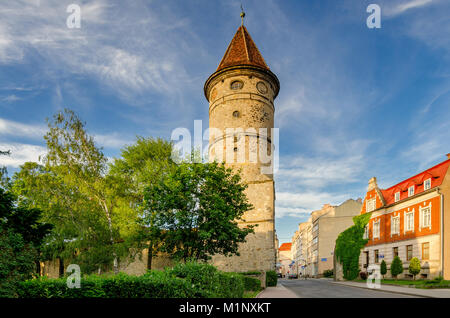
column 386, row 291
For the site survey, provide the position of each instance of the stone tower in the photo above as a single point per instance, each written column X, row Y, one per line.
column 241, row 95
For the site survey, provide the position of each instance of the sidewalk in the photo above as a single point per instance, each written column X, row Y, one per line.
column 430, row 293
column 277, row 292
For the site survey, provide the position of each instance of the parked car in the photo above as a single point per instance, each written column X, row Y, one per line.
column 292, row 276
column 280, row 275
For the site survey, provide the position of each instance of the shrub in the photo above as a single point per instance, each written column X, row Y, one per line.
column 271, row 278
column 152, row 285
column 209, row 280
column 396, row 267
column 363, row 275
column 414, row 267
column 328, row 273
column 251, row 283
column 383, row 268
column 251, row 273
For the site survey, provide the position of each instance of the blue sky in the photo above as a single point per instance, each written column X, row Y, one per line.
column 354, row 102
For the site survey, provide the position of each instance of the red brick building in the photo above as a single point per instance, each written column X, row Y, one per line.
column 411, row 219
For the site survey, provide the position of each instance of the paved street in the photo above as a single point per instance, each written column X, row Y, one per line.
column 319, row 288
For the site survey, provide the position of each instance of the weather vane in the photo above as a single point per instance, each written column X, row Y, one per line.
column 242, row 15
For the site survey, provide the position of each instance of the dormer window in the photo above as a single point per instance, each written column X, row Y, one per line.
column 411, row 191
column 397, row 196
column 427, row 184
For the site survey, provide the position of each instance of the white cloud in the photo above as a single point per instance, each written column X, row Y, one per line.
column 16, row 129
column 128, row 55
column 11, row 98
column 402, row 7
column 303, row 203
column 20, row 153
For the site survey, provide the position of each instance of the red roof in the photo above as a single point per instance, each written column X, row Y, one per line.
column 285, row 247
column 242, row 51
column 436, row 174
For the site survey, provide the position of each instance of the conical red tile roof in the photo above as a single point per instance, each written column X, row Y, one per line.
column 242, row 51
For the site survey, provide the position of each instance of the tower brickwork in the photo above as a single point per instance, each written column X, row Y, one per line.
column 241, row 96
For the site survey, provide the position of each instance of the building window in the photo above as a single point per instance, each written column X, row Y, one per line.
column 395, row 251
column 237, row 85
column 409, row 221
column 376, row 229
column 426, row 250
column 236, row 114
column 409, row 252
column 370, row 205
column 395, row 225
column 314, row 240
column 411, row 191
column 366, row 232
column 425, row 217
column 427, row 184
column 376, row 256
column 397, row 196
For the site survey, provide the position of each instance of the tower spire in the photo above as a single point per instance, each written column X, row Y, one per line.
column 242, row 15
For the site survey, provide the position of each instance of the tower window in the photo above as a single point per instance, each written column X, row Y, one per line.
column 236, row 114
column 235, row 149
column 237, row 85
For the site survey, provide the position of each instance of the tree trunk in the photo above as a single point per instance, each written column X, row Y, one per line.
column 38, row 268
column 61, row 267
column 150, row 257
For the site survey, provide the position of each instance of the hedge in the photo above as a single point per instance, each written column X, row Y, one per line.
column 271, row 278
column 190, row 280
column 251, row 283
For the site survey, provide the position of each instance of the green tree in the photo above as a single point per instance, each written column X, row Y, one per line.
column 78, row 222
column 141, row 165
column 414, row 267
column 349, row 244
column 383, row 268
column 195, row 210
column 17, row 255
column 396, row 267
column 79, row 163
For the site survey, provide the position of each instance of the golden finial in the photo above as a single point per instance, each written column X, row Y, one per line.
column 242, row 15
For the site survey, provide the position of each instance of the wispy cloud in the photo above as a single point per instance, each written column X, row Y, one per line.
column 405, row 6
column 16, row 129
column 20, row 153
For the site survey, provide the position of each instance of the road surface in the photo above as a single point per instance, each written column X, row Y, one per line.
column 320, row 288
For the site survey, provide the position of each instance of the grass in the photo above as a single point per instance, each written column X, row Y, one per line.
column 251, row 294
column 420, row 283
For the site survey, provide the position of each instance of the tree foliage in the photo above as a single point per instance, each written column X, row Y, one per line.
column 349, row 244
column 396, row 267
column 414, row 266
column 195, row 210
column 142, row 164
column 383, row 268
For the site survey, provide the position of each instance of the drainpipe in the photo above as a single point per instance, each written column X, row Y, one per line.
column 442, row 231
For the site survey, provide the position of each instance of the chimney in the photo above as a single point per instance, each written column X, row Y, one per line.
column 448, row 156
column 372, row 184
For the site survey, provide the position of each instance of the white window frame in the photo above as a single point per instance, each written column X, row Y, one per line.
column 422, row 210
column 366, row 232
column 407, row 215
column 395, row 229
column 411, row 193
column 371, row 204
column 397, row 196
column 376, row 234
column 427, row 184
